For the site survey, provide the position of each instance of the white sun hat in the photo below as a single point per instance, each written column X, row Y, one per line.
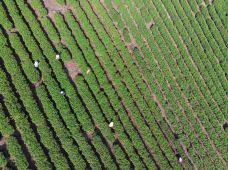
column 62, row 92
column 180, row 160
column 111, row 124
column 36, row 64
column 57, row 56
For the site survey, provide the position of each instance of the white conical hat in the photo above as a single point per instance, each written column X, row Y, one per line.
column 62, row 92
column 180, row 160
column 111, row 124
column 57, row 56
column 36, row 64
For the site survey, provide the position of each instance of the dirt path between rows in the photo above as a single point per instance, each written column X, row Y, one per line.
column 72, row 68
column 38, row 83
column 52, row 6
column 2, row 141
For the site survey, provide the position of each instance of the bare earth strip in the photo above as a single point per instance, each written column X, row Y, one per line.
column 72, row 68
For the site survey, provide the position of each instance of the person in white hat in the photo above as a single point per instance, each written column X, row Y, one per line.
column 62, row 92
column 36, row 64
column 180, row 160
column 111, row 124
column 57, row 56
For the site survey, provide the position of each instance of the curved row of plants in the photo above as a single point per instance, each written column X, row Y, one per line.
column 117, row 63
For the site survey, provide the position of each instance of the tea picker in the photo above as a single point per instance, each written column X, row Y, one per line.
column 111, row 124
column 62, row 92
column 36, row 64
column 180, row 160
column 57, row 56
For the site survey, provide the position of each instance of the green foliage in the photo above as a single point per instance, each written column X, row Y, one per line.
column 5, row 22
column 61, row 2
column 126, row 35
column 164, row 87
column 26, row 62
column 16, row 153
column 3, row 161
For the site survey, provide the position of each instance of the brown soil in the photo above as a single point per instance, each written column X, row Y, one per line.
column 96, row 126
column 114, row 6
column 53, row 7
column 37, row 84
column 150, row 24
column 89, row 135
column 116, row 136
column 63, row 42
column 203, row 3
column 72, row 68
column 110, row 146
column 131, row 45
column 13, row 30
column 2, row 141
column 102, row 1
column 186, row 153
column 162, row 110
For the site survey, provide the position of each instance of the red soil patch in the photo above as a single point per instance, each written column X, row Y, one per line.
column 72, row 68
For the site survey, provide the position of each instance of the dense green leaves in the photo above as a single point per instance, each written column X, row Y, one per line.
column 156, row 69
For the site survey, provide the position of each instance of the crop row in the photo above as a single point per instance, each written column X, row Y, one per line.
column 199, row 37
column 220, row 116
column 50, row 29
column 118, row 43
column 215, row 119
column 107, row 61
column 139, row 60
column 179, row 64
column 86, row 120
column 148, row 72
column 158, row 23
column 124, row 73
column 51, row 113
column 45, row 76
column 155, row 34
column 22, row 124
column 83, row 64
column 13, row 148
column 154, row 87
column 4, row 18
column 31, row 106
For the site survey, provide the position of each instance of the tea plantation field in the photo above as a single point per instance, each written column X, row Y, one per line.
column 113, row 84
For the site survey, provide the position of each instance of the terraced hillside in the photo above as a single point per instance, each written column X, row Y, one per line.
column 113, row 84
